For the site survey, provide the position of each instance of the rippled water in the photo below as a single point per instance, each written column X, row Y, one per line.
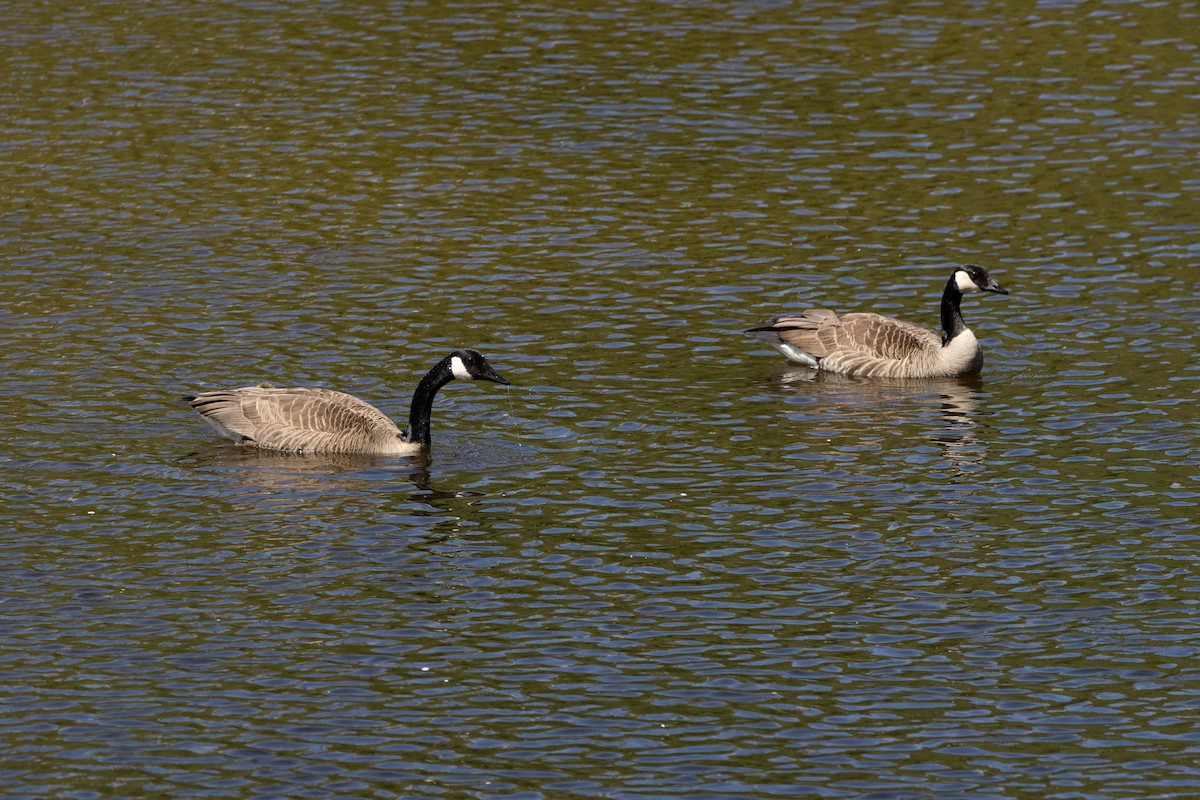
column 665, row 563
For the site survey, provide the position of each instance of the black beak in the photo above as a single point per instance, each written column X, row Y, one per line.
column 992, row 286
column 496, row 377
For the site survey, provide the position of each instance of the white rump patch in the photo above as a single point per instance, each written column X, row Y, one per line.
column 460, row 369
column 797, row 355
column 964, row 282
column 225, row 432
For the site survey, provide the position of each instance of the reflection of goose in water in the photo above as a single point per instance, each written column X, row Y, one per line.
column 835, row 398
column 872, row 345
column 298, row 484
column 323, row 466
column 292, row 474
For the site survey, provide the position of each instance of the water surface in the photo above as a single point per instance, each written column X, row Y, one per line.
column 665, row 563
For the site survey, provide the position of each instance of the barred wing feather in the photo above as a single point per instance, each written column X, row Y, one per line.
column 302, row 419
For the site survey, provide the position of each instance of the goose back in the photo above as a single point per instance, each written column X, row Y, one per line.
column 301, row 420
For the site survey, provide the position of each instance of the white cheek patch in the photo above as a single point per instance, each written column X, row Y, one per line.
column 964, row 282
column 460, row 369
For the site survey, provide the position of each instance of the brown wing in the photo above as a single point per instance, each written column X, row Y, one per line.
column 300, row 419
column 856, row 343
column 885, row 337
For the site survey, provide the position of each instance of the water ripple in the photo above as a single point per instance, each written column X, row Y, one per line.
column 665, row 563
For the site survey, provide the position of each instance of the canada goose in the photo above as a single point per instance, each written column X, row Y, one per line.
column 311, row 420
column 877, row 346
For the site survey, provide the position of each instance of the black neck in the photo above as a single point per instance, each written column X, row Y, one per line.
column 952, row 321
column 422, row 402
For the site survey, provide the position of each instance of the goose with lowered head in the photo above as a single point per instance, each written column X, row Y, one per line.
column 873, row 345
column 309, row 420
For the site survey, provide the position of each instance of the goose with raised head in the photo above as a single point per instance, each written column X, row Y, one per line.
column 309, row 420
column 873, row 345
